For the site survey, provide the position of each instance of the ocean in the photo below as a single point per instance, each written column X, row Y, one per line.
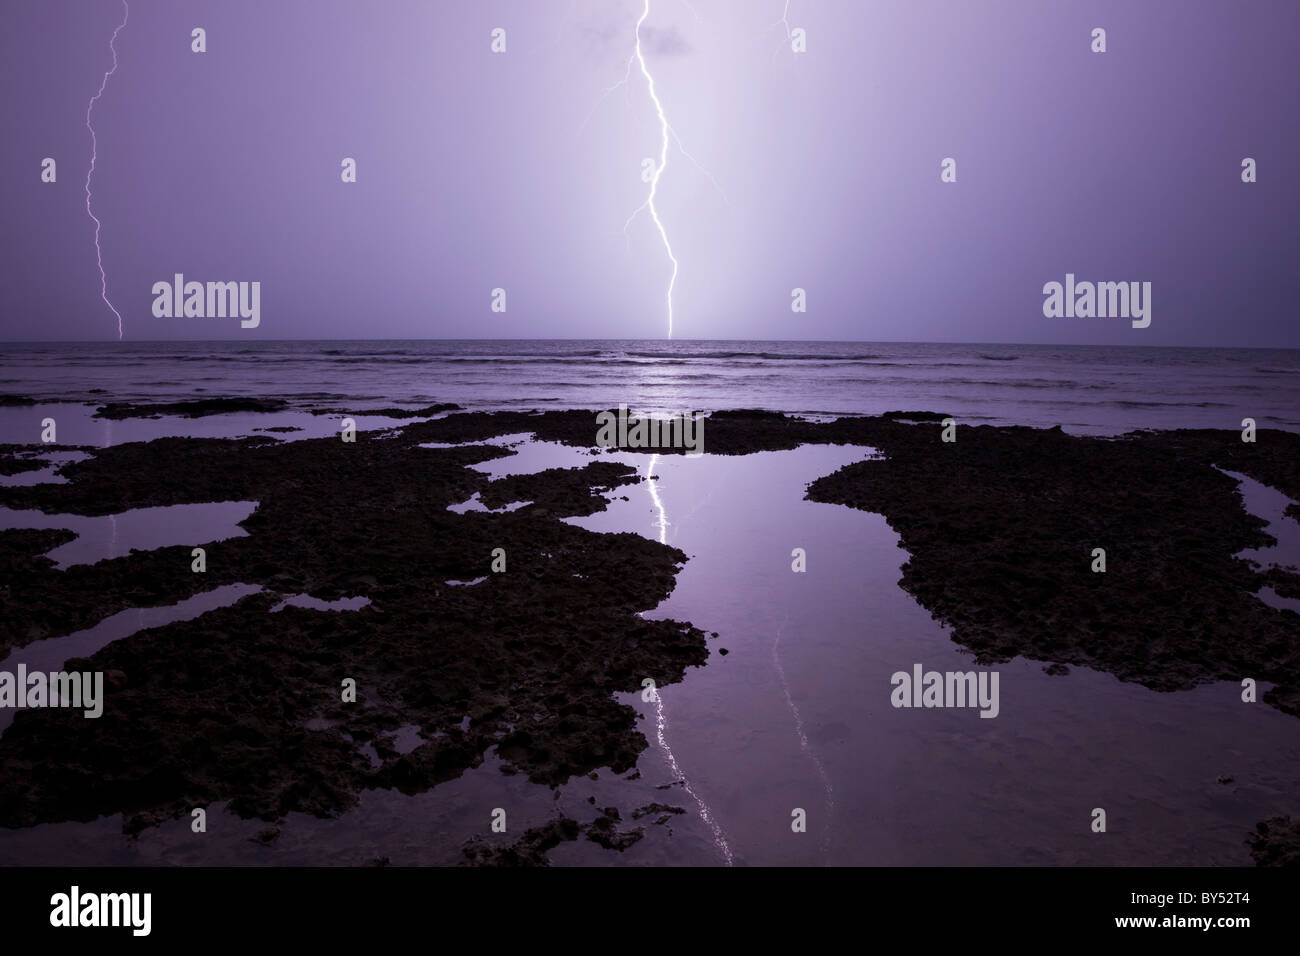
column 796, row 717
column 1084, row 389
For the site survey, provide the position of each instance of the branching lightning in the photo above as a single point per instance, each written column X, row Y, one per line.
column 659, row 169
column 784, row 23
column 666, row 132
column 94, row 155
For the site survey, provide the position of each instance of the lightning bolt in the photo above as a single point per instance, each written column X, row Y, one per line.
column 661, row 719
column 94, row 155
column 803, row 737
column 666, row 131
column 664, row 134
column 654, row 496
column 785, row 23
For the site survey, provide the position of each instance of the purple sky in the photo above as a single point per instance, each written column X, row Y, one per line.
column 476, row 170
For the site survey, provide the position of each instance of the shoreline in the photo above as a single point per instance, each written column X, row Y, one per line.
column 998, row 525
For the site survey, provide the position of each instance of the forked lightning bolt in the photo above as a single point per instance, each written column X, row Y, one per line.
column 664, row 132
column 94, row 154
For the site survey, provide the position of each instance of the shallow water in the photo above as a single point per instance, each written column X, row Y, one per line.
column 142, row 529
column 77, row 425
column 319, row 604
column 47, row 475
column 50, row 654
column 1270, row 504
column 797, row 715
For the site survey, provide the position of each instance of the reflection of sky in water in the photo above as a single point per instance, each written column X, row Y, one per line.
column 1270, row 504
column 50, row 654
column 141, row 528
column 661, row 717
column 76, row 425
column 797, row 715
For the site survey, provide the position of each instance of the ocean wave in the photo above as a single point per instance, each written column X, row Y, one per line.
column 1127, row 403
column 560, row 361
column 1041, row 383
column 768, row 356
column 421, row 354
column 363, row 354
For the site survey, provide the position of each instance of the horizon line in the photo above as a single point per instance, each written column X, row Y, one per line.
column 667, row 342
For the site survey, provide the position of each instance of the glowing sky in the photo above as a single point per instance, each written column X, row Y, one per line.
column 478, row 171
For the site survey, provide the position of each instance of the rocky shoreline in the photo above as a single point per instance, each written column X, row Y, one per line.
column 1000, row 526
